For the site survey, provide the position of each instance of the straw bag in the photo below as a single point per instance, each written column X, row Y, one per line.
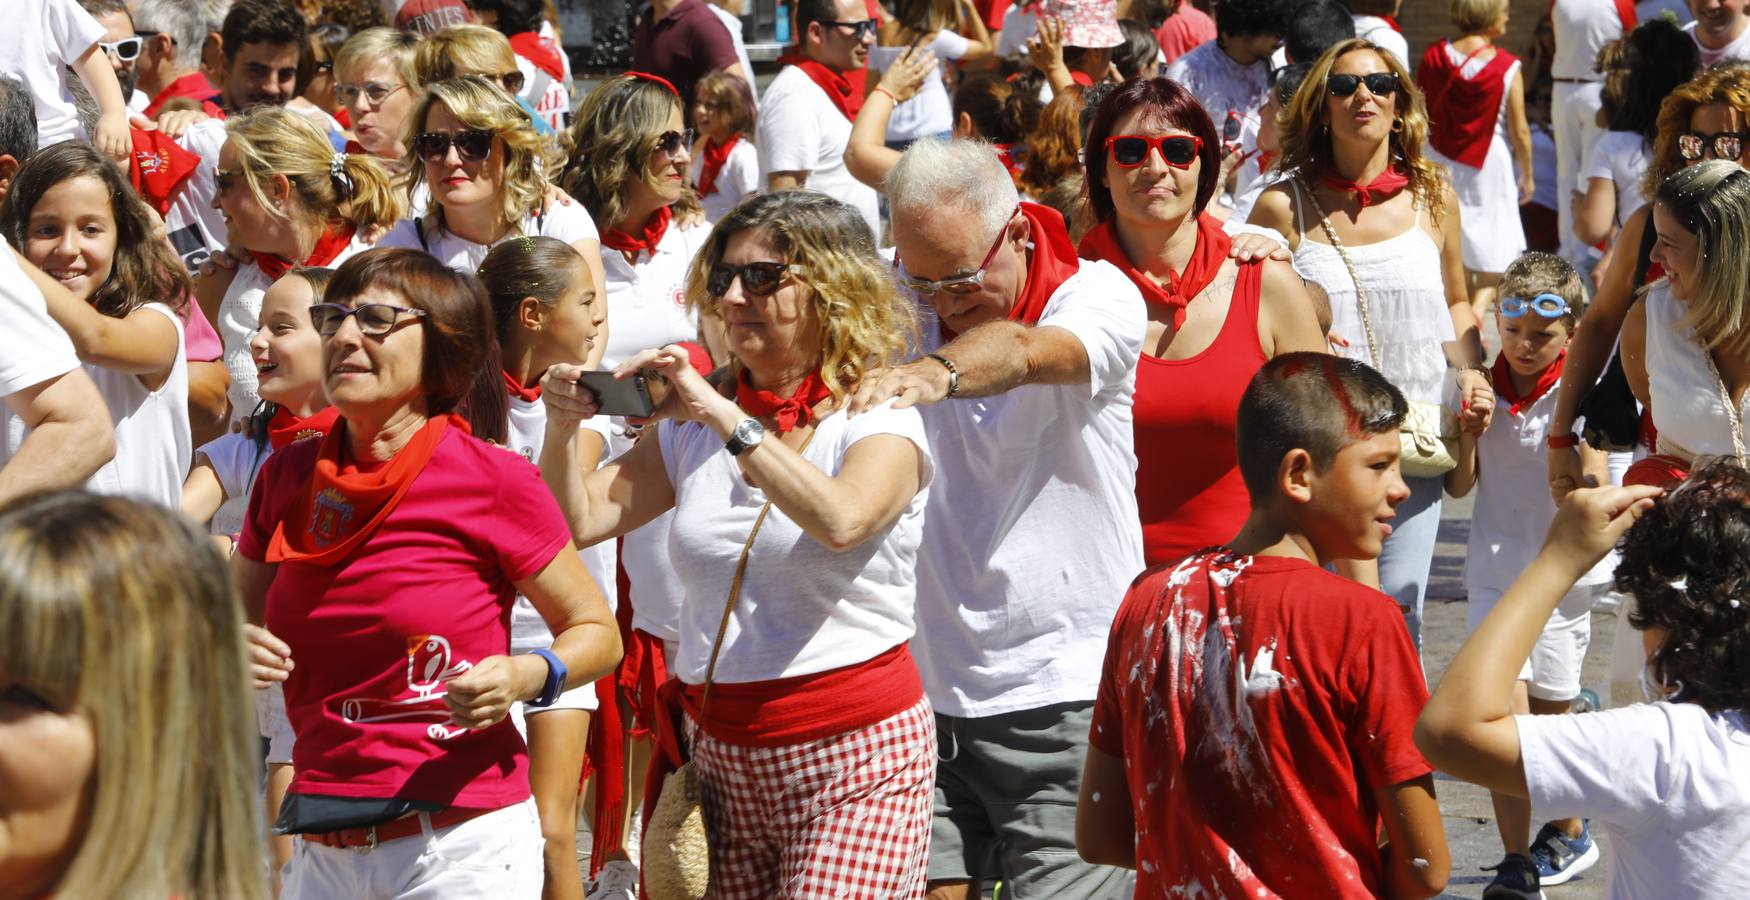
column 677, row 846
column 1429, row 432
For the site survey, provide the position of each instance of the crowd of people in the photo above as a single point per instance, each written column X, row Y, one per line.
column 1000, row 446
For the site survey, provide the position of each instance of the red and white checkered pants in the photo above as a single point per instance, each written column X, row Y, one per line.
column 848, row 816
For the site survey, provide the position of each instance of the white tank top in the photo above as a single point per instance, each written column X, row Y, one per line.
column 1687, row 407
column 1406, row 299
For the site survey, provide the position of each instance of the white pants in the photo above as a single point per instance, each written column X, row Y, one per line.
column 1574, row 117
column 497, row 855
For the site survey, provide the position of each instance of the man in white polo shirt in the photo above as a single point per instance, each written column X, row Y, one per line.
column 807, row 110
column 1026, row 380
column 54, row 430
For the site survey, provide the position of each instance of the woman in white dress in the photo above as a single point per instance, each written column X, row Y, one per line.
column 1352, row 141
column 1477, row 130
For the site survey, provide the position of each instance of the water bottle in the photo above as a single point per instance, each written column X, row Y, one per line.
column 783, row 24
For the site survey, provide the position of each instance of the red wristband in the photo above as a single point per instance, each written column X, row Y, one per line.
column 1563, row 441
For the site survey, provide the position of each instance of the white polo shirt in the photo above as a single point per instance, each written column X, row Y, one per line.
column 800, row 130
column 1031, row 535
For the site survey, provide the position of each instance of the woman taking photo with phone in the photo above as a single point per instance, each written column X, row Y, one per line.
column 804, row 535
column 1376, row 225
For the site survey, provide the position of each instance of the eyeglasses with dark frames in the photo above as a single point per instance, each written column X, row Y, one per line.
column 472, row 145
column 961, row 284
column 1693, row 145
column 374, row 319
column 1379, row 84
column 759, row 279
column 862, row 28
column 512, row 81
column 672, row 142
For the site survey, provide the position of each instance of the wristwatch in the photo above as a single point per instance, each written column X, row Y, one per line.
column 555, row 683
column 747, row 434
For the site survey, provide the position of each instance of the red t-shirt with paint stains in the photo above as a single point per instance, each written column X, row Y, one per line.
column 1257, row 703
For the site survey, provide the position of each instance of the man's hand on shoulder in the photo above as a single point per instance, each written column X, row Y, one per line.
column 922, row 380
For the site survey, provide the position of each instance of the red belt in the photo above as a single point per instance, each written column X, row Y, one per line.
column 406, row 826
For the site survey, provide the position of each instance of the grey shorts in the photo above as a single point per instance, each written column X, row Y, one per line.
column 1006, row 790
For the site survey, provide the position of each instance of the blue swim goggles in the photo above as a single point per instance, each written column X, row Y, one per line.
column 1550, row 306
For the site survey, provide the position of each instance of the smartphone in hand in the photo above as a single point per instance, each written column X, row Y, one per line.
column 619, row 396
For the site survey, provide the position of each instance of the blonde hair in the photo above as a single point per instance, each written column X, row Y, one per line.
column 1306, row 138
column 480, row 103
column 612, row 142
column 1711, row 200
column 273, row 142
column 125, row 614
column 462, row 50
column 863, row 321
column 1471, row 16
column 1728, row 84
column 377, row 44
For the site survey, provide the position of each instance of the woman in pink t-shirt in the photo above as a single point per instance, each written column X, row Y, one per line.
column 384, row 560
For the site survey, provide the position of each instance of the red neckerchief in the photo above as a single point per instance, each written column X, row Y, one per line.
column 1266, row 159
column 837, row 87
column 158, row 167
column 340, row 506
column 344, row 117
column 1082, row 78
column 1503, row 379
column 1388, row 182
column 1206, row 259
column 528, row 394
column 715, row 156
column 541, row 51
column 790, row 412
column 328, row 246
column 1462, row 111
column 285, row 428
column 647, row 240
column 194, row 85
column 1054, row 261
column 1006, row 153
column 354, row 148
column 1393, row 21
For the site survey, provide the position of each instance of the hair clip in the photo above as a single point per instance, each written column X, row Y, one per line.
column 337, row 171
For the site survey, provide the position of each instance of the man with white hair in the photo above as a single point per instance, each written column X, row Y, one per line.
column 1028, row 367
column 169, row 66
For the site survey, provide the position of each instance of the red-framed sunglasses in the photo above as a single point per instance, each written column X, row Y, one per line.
column 1176, row 150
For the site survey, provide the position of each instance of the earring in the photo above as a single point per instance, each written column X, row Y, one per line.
column 1397, row 126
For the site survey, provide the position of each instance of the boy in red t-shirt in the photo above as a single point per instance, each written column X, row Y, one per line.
column 1254, row 719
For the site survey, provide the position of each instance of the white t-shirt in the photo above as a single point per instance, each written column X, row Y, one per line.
column 928, row 113
column 739, row 178
column 548, row 96
column 800, row 130
column 33, row 349
column 236, row 459
column 1582, row 28
column 240, row 315
column 153, row 444
column 1621, row 157
column 1222, row 85
column 1019, row 26
column 1669, row 781
column 46, row 36
column 732, row 24
column 1739, row 48
column 804, row 608
column 196, row 228
column 1513, row 512
column 1013, row 612
column 1380, row 32
column 566, row 223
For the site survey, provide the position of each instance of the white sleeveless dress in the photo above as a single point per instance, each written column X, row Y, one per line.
column 1406, row 299
column 1488, row 198
column 1687, row 407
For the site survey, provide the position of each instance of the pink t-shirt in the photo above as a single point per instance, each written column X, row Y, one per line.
column 200, row 343
column 1184, row 31
column 425, row 598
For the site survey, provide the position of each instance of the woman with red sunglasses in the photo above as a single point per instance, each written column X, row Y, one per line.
column 1388, row 255
column 1152, row 158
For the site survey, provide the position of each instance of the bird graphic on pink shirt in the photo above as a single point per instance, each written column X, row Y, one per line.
column 430, row 664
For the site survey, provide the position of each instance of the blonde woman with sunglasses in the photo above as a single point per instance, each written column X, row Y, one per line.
column 1352, row 146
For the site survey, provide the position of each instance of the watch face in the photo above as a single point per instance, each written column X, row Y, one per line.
column 749, row 432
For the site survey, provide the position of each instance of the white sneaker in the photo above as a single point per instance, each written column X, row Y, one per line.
column 617, row 880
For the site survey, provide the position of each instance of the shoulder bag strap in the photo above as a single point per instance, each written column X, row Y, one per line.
column 735, row 591
column 1360, row 294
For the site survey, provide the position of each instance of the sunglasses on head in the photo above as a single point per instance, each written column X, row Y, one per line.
column 1378, row 84
column 1693, row 145
column 1548, row 306
column 472, row 145
column 126, row 49
column 374, row 319
column 759, row 279
column 671, row 142
column 1176, row 150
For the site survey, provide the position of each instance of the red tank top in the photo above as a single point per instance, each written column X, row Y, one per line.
column 1188, row 486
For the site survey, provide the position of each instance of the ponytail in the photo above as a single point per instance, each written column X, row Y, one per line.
column 373, row 201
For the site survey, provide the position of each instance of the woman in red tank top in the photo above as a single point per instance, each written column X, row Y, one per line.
column 1152, row 158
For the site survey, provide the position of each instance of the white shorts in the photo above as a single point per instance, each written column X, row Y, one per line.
column 1553, row 671
column 271, row 722
column 497, row 855
column 529, row 633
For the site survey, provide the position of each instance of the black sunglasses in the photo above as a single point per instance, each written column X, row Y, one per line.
column 760, row 279
column 512, row 81
column 374, row 319
column 1378, row 84
column 671, row 142
column 1693, row 145
column 471, row 145
column 861, row 29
